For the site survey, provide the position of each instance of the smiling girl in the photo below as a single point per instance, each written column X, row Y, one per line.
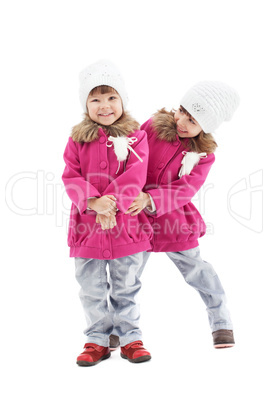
column 106, row 163
column 181, row 153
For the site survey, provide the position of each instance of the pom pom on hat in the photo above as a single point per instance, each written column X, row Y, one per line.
column 102, row 72
column 210, row 103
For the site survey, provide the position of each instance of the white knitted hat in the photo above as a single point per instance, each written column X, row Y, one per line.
column 102, row 72
column 211, row 103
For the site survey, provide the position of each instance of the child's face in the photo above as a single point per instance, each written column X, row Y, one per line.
column 187, row 126
column 104, row 109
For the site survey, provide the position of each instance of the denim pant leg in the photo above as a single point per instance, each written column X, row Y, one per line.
column 92, row 276
column 125, row 284
column 201, row 276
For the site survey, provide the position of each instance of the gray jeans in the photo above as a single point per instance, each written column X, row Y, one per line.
column 201, row 276
column 109, row 303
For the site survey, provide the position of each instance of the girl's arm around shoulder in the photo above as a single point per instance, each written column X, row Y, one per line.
column 129, row 184
column 77, row 187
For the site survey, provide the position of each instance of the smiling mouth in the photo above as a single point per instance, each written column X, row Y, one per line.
column 181, row 131
column 105, row 114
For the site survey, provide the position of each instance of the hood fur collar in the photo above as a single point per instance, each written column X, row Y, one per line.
column 88, row 130
column 165, row 126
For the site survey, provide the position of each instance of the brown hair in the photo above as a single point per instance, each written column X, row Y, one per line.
column 103, row 89
column 203, row 142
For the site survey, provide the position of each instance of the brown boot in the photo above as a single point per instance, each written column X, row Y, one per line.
column 223, row 338
column 114, row 342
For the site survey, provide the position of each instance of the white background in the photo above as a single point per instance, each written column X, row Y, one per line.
column 162, row 48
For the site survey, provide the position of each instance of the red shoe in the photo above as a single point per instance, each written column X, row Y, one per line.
column 135, row 352
column 93, row 354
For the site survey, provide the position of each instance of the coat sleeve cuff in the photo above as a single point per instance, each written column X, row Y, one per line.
column 153, row 207
column 90, row 198
column 82, row 207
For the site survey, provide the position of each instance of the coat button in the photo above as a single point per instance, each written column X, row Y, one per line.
column 161, row 165
column 151, row 219
column 175, row 143
column 103, row 165
column 106, row 253
column 102, row 140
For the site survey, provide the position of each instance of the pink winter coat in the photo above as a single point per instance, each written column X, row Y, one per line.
column 177, row 224
column 91, row 171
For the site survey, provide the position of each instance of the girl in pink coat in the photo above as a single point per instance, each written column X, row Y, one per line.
column 181, row 153
column 106, row 164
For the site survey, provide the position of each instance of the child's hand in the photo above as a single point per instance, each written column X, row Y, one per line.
column 104, row 205
column 105, row 221
column 142, row 201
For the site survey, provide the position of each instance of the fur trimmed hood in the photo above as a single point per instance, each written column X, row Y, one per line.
column 88, row 130
column 165, row 126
